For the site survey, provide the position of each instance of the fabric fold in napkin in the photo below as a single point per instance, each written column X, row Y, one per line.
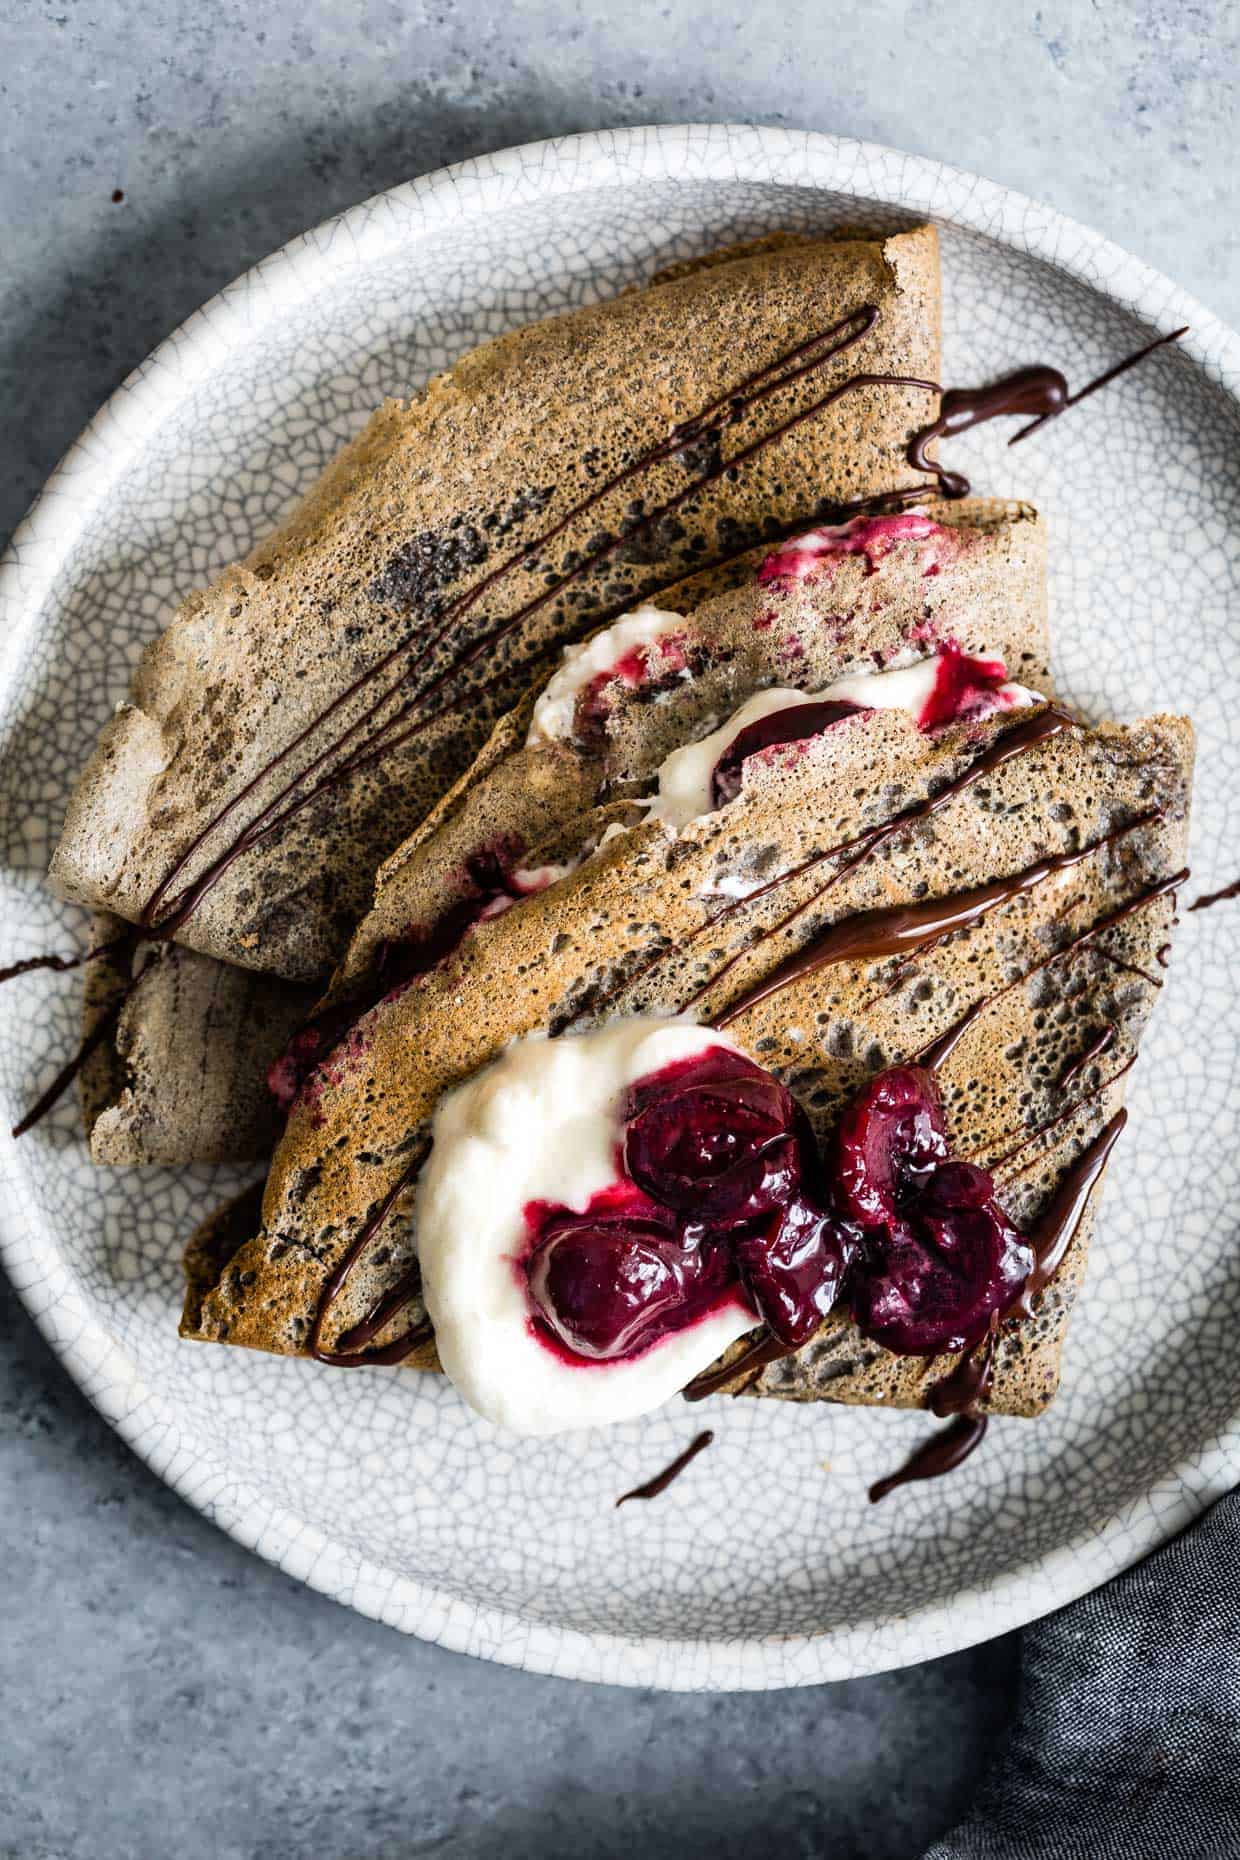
column 1126, row 1744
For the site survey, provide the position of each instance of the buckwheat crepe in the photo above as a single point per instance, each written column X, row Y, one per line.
column 277, row 659
column 639, row 928
column 541, row 804
column 181, row 1072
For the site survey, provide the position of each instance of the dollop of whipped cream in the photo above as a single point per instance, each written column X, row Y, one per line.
column 544, row 1124
column 615, row 652
column 684, row 791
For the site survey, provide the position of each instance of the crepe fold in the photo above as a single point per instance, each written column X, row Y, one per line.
column 182, row 1044
column 638, row 929
column 329, row 689
column 542, row 804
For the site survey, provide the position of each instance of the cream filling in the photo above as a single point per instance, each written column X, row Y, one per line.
column 580, row 665
column 542, row 1124
column 683, row 789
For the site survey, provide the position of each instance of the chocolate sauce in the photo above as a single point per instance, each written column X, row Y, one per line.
column 750, row 1364
column 1055, row 1228
column 1053, row 1123
column 1040, row 391
column 1098, row 1043
column 1037, row 728
column 661, row 1481
column 1216, row 897
column 352, row 1352
column 940, row 1049
column 101, row 1031
column 968, row 1384
column 942, row 1453
column 869, row 936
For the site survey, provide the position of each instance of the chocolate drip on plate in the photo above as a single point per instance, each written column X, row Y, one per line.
column 661, row 1481
column 1039, row 391
column 942, row 1453
column 1216, row 897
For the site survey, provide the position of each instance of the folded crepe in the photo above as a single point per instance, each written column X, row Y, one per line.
column 180, row 1047
column 1075, row 834
column 302, row 715
column 971, row 572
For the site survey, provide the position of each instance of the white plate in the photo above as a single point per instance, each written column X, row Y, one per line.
column 764, row 1565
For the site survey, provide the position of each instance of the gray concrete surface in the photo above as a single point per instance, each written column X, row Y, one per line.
column 161, row 1691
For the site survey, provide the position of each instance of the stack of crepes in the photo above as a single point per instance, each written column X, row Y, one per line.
column 815, row 795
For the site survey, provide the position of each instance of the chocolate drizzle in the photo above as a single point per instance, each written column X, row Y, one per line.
column 1039, row 391
column 1055, row 1228
column 352, row 1352
column 1053, row 1123
column 750, row 1363
column 870, row 936
column 661, row 1481
column 1037, row 728
column 1216, row 897
column 942, row 1453
column 1099, row 1042
column 968, row 1384
column 940, row 1049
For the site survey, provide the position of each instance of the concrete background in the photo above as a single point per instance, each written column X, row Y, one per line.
column 163, row 1691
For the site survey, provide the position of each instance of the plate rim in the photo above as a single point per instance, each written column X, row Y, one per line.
column 724, row 152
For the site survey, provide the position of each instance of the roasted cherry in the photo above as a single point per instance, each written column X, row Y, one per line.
column 890, row 1139
column 610, row 1287
column 712, row 1139
column 793, row 1266
column 793, row 725
column 932, row 1281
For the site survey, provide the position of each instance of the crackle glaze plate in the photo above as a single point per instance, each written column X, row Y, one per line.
column 764, row 1565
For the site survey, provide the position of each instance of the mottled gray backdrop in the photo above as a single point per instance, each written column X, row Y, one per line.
column 161, row 1690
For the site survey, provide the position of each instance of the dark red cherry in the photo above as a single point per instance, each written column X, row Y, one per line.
column 932, row 1283
column 793, row 1267
column 712, row 1138
column 890, row 1138
column 792, row 725
column 609, row 1288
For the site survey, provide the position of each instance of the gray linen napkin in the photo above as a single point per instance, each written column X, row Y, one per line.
column 1126, row 1742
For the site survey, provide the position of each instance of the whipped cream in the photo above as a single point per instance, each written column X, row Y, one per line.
column 543, row 1124
column 593, row 659
column 683, row 793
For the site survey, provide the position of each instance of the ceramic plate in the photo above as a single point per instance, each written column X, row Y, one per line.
column 764, row 1565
